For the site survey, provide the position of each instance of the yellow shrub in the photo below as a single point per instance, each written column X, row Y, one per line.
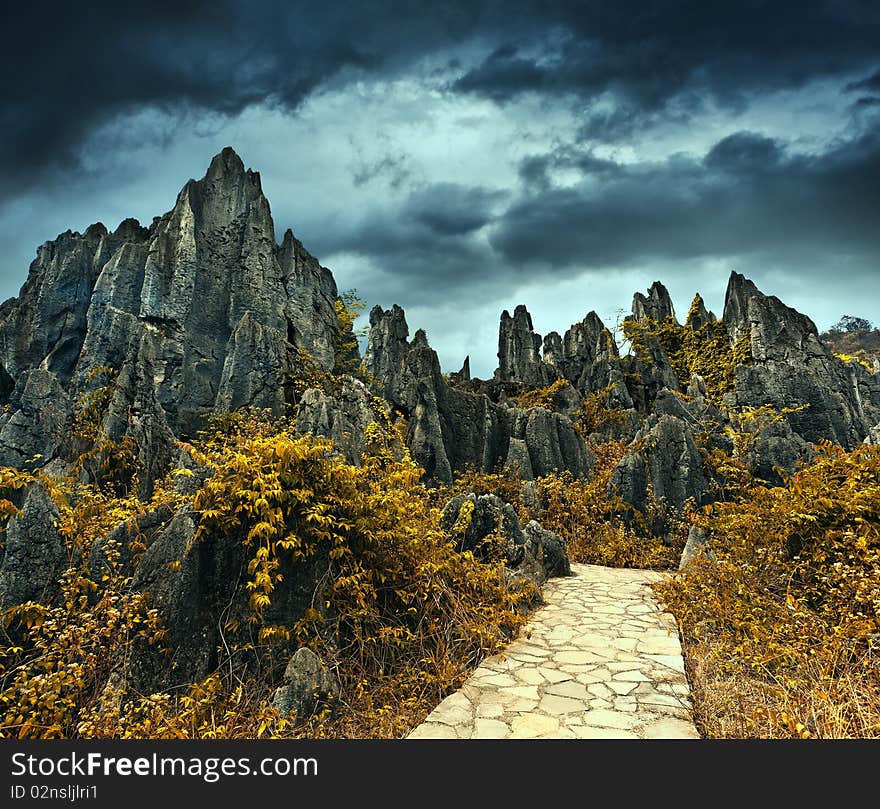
column 787, row 617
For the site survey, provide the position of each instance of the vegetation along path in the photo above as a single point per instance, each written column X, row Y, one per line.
column 601, row 659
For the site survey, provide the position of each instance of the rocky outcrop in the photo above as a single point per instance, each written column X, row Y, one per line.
column 665, row 456
column 342, row 416
column 200, row 312
column 308, row 686
column 519, row 351
column 470, row 519
column 791, row 368
column 35, row 555
column 533, row 554
column 548, row 549
column 451, row 429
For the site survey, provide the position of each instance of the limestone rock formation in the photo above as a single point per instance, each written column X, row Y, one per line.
column 699, row 316
column 450, row 428
column 484, row 516
column 308, row 686
column 35, row 555
column 519, row 351
column 656, row 306
column 199, row 312
column 791, row 368
column 648, row 374
column 589, row 358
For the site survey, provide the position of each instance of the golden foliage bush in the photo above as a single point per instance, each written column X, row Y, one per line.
column 704, row 350
column 541, row 397
column 402, row 617
column 782, row 629
column 598, row 527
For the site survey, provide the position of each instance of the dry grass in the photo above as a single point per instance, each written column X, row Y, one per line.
column 807, row 704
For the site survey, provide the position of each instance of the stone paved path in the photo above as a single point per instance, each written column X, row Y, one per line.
column 600, row 661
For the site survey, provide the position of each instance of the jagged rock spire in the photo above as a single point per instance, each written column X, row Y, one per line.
column 203, row 306
column 656, row 306
column 519, row 351
column 699, row 317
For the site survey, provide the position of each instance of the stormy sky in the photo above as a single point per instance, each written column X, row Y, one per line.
column 461, row 158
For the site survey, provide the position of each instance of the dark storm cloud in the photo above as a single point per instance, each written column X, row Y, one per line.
column 447, row 209
column 673, row 57
column 70, row 68
column 748, row 194
column 871, row 84
column 427, row 243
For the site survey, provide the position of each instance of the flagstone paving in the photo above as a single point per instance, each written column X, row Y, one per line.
column 601, row 660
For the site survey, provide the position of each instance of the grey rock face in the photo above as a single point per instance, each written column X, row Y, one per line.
column 533, row 553
column 519, row 351
column 36, row 554
column 776, row 447
column 630, row 480
column 115, row 549
column 202, row 311
column 450, row 428
column 463, row 375
column 308, row 686
column 34, row 424
column 656, row 306
column 873, row 437
column 791, row 367
column 668, row 456
column 342, row 417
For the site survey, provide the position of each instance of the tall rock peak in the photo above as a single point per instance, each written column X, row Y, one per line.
column 519, row 351
column 226, row 164
column 656, row 306
column 200, row 312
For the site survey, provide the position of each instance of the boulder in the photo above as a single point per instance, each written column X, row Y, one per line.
column 695, row 545
column 308, row 686
column 533, row 554
column 36, row 554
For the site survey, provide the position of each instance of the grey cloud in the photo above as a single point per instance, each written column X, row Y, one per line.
column 748, row 194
